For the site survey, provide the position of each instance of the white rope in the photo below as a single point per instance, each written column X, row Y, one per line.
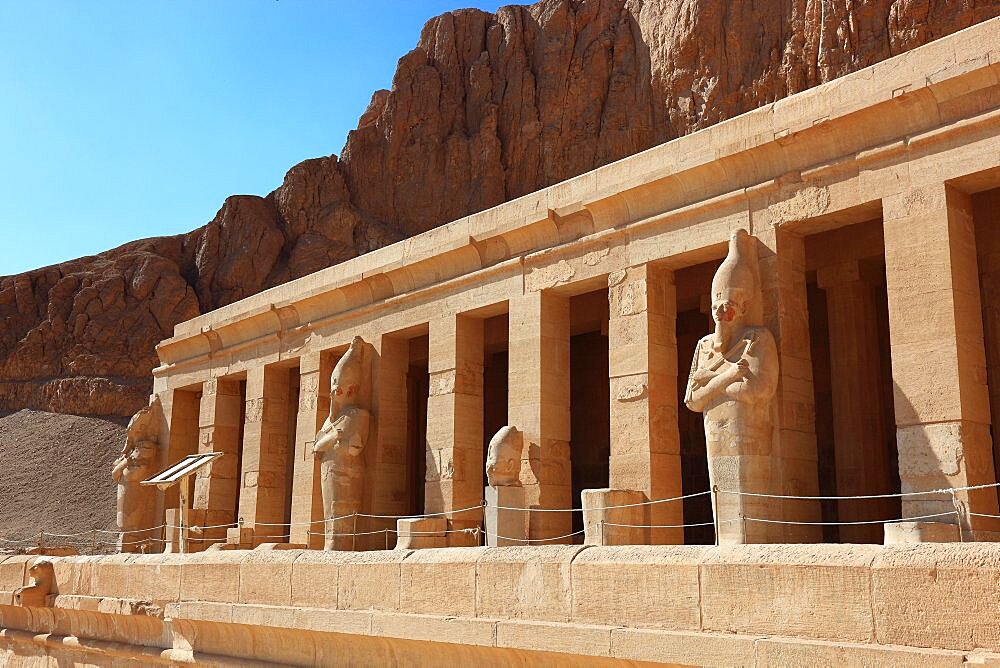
column 377, row 517
column 947, row 490
column 481, row 506
column 541, row 540
column 415, row 517
column 904, row 519
column 661, row 526
column 624, row 505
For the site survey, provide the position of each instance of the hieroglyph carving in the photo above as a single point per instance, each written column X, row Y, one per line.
column 734, row 375
column 503, row 458
column 339, row 446
column 136, row 504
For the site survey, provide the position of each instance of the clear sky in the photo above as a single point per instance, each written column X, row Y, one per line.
column 135, row 118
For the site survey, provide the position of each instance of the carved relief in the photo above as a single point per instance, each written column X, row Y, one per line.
column 734, row 375
column 340, row 443
column 255, row 410
column 542, row 278
column 136, row 504
column 807, row 202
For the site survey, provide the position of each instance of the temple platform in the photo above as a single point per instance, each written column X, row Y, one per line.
column 926, row 604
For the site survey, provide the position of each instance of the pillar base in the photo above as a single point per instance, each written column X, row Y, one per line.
column 171, row 534
column 421, row 533
column 598, row 517
column 505, row 527
column 897, row 533
column 240, row 537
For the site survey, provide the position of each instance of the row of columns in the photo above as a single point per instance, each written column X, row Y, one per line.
column 938, row 365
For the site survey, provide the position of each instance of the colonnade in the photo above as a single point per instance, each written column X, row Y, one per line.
column 938, row 359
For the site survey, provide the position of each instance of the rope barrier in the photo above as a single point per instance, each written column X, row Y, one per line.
column 624, row 505
column 377, row 517
column 541, row 540
column 121, row 535
column 946, row 490
column 662, row 526
column 904, row 519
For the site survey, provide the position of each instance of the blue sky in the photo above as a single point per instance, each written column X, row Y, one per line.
column 124, row 120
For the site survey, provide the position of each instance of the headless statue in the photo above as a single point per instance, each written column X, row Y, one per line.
column 734, row 375
column 42, row 584
column 136, row 504
column 339, row 446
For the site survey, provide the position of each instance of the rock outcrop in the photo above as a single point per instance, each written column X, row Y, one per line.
column 487, row 107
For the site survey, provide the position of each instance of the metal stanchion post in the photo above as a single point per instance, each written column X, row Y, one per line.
column 959, row 516
column 715, row 511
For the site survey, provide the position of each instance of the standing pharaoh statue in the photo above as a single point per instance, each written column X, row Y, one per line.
column 339, row 446
column 136, row 503
column 733, row 380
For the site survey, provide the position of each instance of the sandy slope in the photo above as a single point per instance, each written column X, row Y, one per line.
column 55, row 473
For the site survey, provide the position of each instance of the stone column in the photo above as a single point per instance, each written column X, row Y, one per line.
column 216, row 486
column 645, row 443
column 265, row 438
column 793, row 466
column 538, row 405
column 858, row 430
column 455, row 422
column 314, row 406
column 938, row 359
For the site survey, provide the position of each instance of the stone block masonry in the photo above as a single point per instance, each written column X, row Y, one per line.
column 750, row 605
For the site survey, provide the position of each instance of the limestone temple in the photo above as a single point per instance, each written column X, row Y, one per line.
column 729, row 401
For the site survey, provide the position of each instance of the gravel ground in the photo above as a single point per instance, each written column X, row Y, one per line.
column 55, row 473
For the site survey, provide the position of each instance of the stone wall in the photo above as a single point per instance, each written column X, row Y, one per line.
column 741, row 605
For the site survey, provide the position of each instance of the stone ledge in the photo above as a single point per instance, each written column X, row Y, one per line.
column 203, row 633
column 837, row 593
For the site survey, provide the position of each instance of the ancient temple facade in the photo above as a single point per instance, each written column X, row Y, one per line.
column 571, row 314
column 872, row 208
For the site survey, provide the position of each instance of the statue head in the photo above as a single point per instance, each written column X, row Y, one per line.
column 145, row 424
column 143, row 454
column 345, row 381
column 41, row 571
column 503, row 459
column 735, row 287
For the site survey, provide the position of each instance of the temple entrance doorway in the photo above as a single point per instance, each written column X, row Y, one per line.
column 694, row 287
column 495, row 378
column 590, row 397
column 235, row 466
column 417, row 392
column 986, row 216
column 852, row 380
column 292, row 417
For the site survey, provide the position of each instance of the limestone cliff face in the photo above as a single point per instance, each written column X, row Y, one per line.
column 487, row 107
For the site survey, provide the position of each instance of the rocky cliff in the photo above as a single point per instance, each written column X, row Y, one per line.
column 487, row 107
